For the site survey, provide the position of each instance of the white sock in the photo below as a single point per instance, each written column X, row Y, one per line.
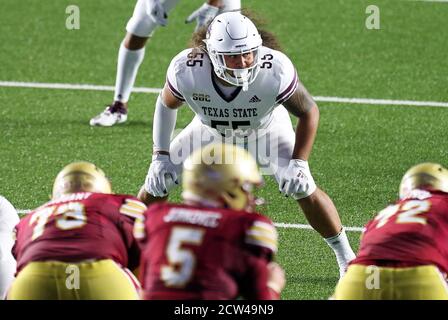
column 230, row 5
column 128, row 63
column 342, row 249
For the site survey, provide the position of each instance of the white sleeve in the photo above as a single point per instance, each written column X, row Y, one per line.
column 8, row 220
column 163, row 126
column 164, row 117
column 171, row 77
column 288, row 78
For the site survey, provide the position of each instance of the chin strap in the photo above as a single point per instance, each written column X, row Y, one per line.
column 244, row 75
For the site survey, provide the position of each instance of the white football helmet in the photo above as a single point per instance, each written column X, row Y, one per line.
column 232, row 33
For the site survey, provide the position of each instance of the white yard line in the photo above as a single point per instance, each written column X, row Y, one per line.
column 383, row 102
column 430, row 0
column 307, row 226
column 68, row 86
column 278, row 225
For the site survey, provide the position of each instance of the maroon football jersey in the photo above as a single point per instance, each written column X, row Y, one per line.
column 80, row 226
column 195, row 253
column 413, row 231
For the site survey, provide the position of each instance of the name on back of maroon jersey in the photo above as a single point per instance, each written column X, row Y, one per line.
column 208, row 219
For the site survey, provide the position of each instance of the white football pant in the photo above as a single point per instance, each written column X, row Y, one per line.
column 8, row 220
column 272, row 146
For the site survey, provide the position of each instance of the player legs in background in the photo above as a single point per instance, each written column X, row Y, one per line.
column 148, row 14
column 322, row 215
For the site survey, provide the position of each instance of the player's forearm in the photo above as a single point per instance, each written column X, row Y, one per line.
column 163, row 126
column 306, row 131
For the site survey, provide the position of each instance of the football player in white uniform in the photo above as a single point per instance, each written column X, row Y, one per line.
column 148, row 14
column 236, row 87
column 8, row 220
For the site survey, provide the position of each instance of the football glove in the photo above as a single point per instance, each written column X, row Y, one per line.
column 297, row 180
column 161, row 175
column 157, row 12
column 203, row 15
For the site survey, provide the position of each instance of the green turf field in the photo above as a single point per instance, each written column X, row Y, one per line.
column 361, row 151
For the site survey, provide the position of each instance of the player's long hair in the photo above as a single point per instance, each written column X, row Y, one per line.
column 269, row 39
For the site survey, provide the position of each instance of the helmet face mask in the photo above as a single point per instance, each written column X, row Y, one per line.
column 238, row 77
column 429, row 176
column 231, row 33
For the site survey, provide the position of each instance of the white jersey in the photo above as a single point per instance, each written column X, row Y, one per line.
column 191, row 79
column 8, row 220
column 8, row 215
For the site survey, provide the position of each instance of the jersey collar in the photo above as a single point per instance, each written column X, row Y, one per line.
column 219, row 91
